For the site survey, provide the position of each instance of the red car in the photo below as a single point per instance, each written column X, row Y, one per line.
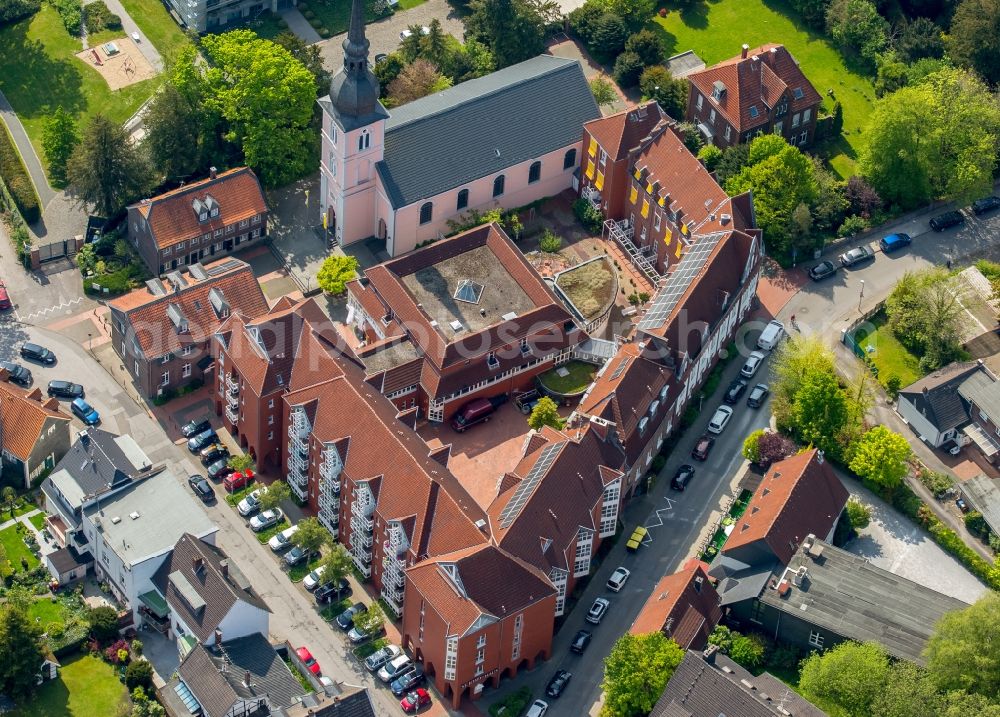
column 235, row 481
column 308, row 660
column 415, row 700
column 4, row 297
column 702, row 447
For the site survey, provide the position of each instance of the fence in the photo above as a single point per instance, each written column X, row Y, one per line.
column 847, row 335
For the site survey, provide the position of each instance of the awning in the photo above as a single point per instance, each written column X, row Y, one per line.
column 987, row 443
column 707, row 131
column 205, row 361
column 186, row 643
column 156, row 603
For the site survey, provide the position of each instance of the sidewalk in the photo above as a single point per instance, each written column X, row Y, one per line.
column 298, row 24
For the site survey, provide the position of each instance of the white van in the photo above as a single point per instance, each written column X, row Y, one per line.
column 282, row 540
column 771, row 335
column 387, row 673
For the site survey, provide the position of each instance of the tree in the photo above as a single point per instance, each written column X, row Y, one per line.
column 545, row 413
column 603, row 91
column 921, row 38
column 106, row 169
column 858, row 513
column 8, row 497
column 5, row 567
column 746, row 650
column 862, row 199
column 908, row 692
column 273, row 495
column 309, row 56
column 852, row 675
column 388, row 70
column 975, row 523
column 142, row 706
column 173, row 133
column 691, row 137
column 241, row 462
column 710, row 156
column 311, row 535
column 791, row 362
column 800, row 224
column 103, row 622
column 335, row 272
column 513, row 29
column 891, row 74
column 432, row 45
column 636, row 672
column 336, row 563
column 139, row 673
column 820, row 412
column 936, row 139
column 813, row 12
column 13, row 10
column 856, row 27
column 963, row 653
column 21, row 646
column 773, row 447
column 828, row 209
column 410, row 47
column 371, row 619
column 59, row 139
column 733, row 160
column 925, row 316
column 751, row 446
column 628, row 68
column 658, row 84
column 880, row 458
column 607, row 38
column 974, row 38
column 418, row 79
column 647, row 45
column 266, row 97
column 635, row 13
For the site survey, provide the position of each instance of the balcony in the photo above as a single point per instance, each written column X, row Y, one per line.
column 359, row 553
column 623, row 234
column 232, row 415
column 363, row 568
column 233, row 401
column 363, row 510
column 593, row 196
column 361, row 524
column 296, row 463
column 394, row 599
column 329, row 469
column 232, row 384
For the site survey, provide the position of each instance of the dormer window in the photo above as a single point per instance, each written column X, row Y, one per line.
column 718, row 90
column 754, row 113
column 798, row 94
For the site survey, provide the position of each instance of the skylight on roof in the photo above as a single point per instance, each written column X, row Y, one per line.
column 469, row 291
column 798, row 93
column 753, row 111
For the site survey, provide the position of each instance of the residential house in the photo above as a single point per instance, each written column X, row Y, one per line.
column 709, row 683
column 161, row 332
column 932, row 405
column 242, row 676
column 133, row 531
column 475, row 616
column 202, row 596
column 198, row 222
column 34, row 433
column 982, row 495
column 351, row 702
column 68, row 565
column 401, row 175
column 477, row 319
column 762, row 90
column 981, row 393
column 826, row 595
column 203, row 16
column 683, row 606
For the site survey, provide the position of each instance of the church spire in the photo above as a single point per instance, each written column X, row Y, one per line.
column 354, row 90
column 356, row 44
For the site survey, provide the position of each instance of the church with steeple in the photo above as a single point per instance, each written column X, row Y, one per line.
column 503, row 140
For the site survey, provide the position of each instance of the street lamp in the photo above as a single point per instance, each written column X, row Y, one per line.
column 88, row 343
column 861, row 294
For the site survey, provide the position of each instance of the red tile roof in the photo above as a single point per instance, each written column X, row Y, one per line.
column 684, row 606
column 622, row 131
column 759, row 82
column 23, row 414
column 172, row 217
column 797, row 496
column 147, row 314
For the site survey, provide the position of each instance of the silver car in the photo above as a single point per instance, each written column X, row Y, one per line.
column 752, row 364
column 856, row 256
column 264, row 520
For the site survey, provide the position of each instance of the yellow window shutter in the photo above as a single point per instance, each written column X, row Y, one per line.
column 637, row 173
column 590, row 169
column 649, row 188
column 599, row 182
column 662, row 201
column 632, row 195
column 668, row 237
column 677, row 253
column 592, row 150
column 645, row 208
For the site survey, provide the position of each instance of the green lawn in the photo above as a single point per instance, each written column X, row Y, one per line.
column 38, row 520
column 99, row 38
column 25, row 506
column 890, row 356
column 87, row 687
column 38, row 71
column 579, row 377
column 335, row 15
column 716, row 30
column 298, row 573
column 158, row 27
column 16, row 549
column 265, row 535
column 45, row 611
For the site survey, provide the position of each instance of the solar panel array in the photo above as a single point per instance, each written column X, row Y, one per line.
column 620, row 368
column 679, row 281
column 527, row 486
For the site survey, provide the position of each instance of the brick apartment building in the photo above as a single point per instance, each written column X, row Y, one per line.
column 200, row 221
column 463, row 318
column 762, row 90
column 162, row 331
column 684, row 606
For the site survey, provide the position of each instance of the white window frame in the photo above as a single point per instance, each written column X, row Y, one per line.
column 816, row 638
column 186, row 371
column 165, row 379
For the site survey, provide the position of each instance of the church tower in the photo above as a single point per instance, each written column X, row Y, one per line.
column 353, row 132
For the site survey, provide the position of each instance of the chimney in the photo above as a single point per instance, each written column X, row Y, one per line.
column 743, row 55
column 819, row 457
column 213, row 172
column 218, row 636
column 224, row 568
column 709, row 654
column 246, row 679
column 925, row 391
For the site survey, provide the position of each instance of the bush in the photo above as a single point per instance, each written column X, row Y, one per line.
column 335, row 272
column 22, row 244
column 309, row 14
column 14, row 10
column 659, row 460
column 608, row 36
column 710, row 156
column 513, row 704
column 282, row 23
column 549, row 242
column 316, row 23
column 139, row 673
column 71, row 14
column 647, row 45
column 748, row 650
column 628, row 68
column 323, row 32
column 936, row 483
column 117, row 282
column 15, row 177
column 103, row 623
column 859, row 514
column 98, row 17
column 851, row 226
column 588, row 215
column 975, row 523
column 751, row 446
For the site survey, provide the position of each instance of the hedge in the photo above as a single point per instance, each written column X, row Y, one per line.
column 15, row 176
column 14, row 10
column 98, row 17
column 116, row 282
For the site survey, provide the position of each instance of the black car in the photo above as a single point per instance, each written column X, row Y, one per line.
column 558, row 683
column 65, row 389
column 34, row 352
column 202, row 488
column 407, row 681
column 682, row 477
column 333, row 591
column 986, row 204
column 946, row 220
column 823, row 270
column 17, row 373
column 220, row 469
column 380, row 58
column 758, row 395
column 345, row 620
column 581, row 639
column 217, row 453
column 735, row 390
column 200, row 440
column 193, row 428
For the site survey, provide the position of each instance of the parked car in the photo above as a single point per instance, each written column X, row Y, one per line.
column 538, row 709
column 636, row 539
column 702, row 448
column 752, row 363
column 986, row 204
column 85, row 412
column 220, row 469
column 388, row 672
column 34, row 352
column 598, row 610
column 771, row 335
column 65, row 389
column 962, row 505
column 296, row 555
column 381, row 656
column 683, row 476
column 4, row 298
column 894, row 242
column 313, row 580
column 381, row 57
column 409, row 33
column 735, row 390
column 332, row 591
column 618, row 579
column 408, row 680
column 266, row 519
column 200, row 440
column 212, row 453
column 758, row 395
column 356, row 635
column 581, row 639
column 558, row 683
column 720, row 419
column 823, row 270
column 283, row 540
column 16, row 373
column 250, row 503
column 856, row 256
column 309, row 661
column 193, row 428
column 476, row 411
column 415, row 700
column 202, row 488
column 237, row 480
column 947, row 220
column 526, row 402
column 345, row 620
